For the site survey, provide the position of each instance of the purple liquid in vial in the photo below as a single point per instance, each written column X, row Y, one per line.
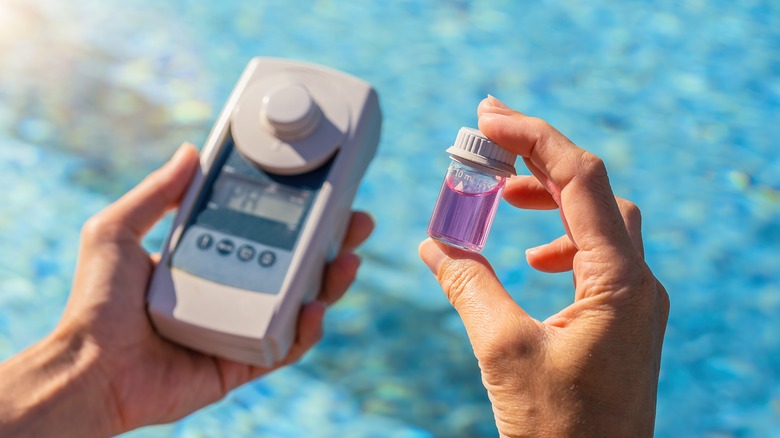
column 464, row 213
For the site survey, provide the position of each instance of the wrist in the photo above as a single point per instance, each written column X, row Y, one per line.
column 574, row 426
column 55, row 388
column 567, row 413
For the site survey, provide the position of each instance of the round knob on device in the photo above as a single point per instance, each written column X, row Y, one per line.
column 289, row 112
column 289, row 123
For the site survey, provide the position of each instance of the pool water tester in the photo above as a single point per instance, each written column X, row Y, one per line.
column 267, row 209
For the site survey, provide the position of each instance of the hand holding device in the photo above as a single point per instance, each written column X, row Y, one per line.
column 103, row 371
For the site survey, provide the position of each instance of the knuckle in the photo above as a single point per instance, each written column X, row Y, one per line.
column 93, row 228
column 642, row 286
column 97, row 228
column 540, row 127
column 538, row 124
column 631, row 212
column 631, row 209
column 591, row 166
column 616, row 274
column 664, row 302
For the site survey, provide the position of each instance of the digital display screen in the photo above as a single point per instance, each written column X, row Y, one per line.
column 266, row 200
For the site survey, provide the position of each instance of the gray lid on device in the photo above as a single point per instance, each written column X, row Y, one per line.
column 472, row 145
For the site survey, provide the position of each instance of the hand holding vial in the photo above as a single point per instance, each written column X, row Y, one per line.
column 591, row 369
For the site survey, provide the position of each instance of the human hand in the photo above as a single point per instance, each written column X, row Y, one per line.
column 592, row 369
column 127, row 375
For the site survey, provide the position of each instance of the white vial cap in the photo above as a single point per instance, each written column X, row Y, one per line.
column 472, row 145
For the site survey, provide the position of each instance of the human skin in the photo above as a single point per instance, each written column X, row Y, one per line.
column 592, row 368
column 103, row 370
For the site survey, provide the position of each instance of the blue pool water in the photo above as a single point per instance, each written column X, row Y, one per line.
column 680, row 98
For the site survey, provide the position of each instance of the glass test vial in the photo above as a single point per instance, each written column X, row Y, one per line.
column 471, row 191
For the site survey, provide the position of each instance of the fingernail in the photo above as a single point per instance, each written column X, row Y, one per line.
column 432, row 255
column 493, row 101
column 531, row 251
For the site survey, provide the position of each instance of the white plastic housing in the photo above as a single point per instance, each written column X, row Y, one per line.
column 284, row 131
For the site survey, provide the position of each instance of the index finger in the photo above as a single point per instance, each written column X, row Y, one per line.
column 576, row 179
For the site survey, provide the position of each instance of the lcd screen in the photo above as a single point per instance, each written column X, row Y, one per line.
column 261, row 199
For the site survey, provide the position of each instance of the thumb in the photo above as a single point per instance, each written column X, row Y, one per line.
column 140, row 208
column 473, row 289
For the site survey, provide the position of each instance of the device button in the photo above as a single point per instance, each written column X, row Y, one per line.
column 225, row 246
column 267, row 258
column 246, row 253
column 204, row 241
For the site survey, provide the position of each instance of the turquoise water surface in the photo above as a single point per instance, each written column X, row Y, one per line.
column 680, row 98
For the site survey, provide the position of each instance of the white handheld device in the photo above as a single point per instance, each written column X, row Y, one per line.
column 267, row 209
